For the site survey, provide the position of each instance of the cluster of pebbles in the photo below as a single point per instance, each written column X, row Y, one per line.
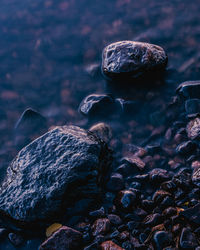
column 74, row 182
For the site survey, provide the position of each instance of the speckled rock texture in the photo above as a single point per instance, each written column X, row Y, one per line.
column 132, row 59
column 52, row 173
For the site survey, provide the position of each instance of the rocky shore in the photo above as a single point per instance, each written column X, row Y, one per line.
column 96, row 189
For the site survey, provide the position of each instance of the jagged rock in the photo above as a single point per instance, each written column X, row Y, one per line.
column 55, row 171
column 193, row 129
column 65, row 238
column 132, row 59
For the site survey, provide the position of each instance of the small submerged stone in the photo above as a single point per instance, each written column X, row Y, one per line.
column 15, row 239
column 97, row 104
column 187, row 239
column 110, row 245
column 101, row 226
column 132, row 59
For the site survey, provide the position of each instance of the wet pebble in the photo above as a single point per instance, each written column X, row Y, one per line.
column 15, row 239
column 132, row 59
column 125, row 199
column 115, row 183
column 193, row 129
column 162, row 239
column 187, row 239
column 103, row 131
column 110, row 245
column 100, row 226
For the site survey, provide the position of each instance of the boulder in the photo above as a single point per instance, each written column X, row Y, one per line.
column 52, row 174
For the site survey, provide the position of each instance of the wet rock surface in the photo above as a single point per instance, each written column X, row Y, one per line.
column 49, row 174
column 132, row 59
column 65, row 238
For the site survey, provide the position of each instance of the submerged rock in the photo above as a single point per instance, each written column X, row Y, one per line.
column 96, row 104
column 65, row 238
column 102, row 130
column 132, row 59
column 30, row 125
column 52, row 173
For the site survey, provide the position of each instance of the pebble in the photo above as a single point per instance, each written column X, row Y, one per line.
column 110, row 245
column 125, row 199
column 132, row 59
column 162, row 239
column 101, row 226
column 192, row 107
column 115, row 183
column 187, row 239
column 64, row 238
column 189, row 89
column 114, row 219
column 186, row 148
column 192, row 214
column 193, row 129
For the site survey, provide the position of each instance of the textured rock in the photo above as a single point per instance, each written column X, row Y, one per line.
column 65, row 238
column 189, row 89
column 193, row 129
column 53, row 172
column 101, row 226
column 162, row 239
column 132, row 59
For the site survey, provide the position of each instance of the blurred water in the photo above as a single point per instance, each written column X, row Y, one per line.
column 47, row 45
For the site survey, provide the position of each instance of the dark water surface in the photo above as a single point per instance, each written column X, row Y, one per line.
column 47, row 48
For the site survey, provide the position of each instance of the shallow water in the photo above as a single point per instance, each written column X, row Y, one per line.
column 47, row 46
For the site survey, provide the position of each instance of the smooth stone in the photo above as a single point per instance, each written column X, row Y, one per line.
column 192, row 214
column 125, row 199
column 189, row 89
column 56, row 171
column 132, row 59
column 102, row 130
column 114, row 219
column 135, row 162
column 192, row 107
column 98, row 213
column 30, row 125
column 187, row 147
column 162, row 239
column 193, row 129
column 65, row 238
column 97, row 104
column 158, row 175
column 187, row 239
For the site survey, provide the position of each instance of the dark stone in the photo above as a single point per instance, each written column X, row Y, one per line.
column 64, row 238
column 169, row 186
column 101, row 226
column 15, row 239
column 159, row 175
column 185, row 148
column 115, row 183
column 55, row 171
column 135, row 162
column 114, row 219
column 125, row 199
column 153, row 219
column 189, row 89
column 162, row 239
column 132, row 59
column 96, row 104
column 192, row 214
column 196, row 176
column 193, row 129
column 30, row 125
column 192, row 107
column 98, row 213
column 187, row 239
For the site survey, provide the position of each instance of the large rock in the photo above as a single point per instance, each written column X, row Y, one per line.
column 52, row 173
column 132, row 59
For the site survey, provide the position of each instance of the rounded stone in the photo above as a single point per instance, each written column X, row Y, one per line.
column 132, row 59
